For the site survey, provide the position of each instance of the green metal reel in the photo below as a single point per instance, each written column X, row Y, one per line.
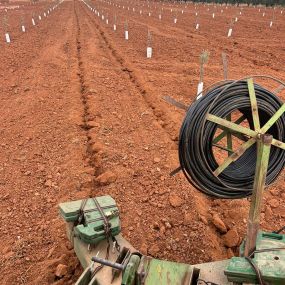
column 270, row 264
column 235, row 129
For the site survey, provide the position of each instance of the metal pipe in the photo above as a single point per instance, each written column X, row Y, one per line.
column 108, row 263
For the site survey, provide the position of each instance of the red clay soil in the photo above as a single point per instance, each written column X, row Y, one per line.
column 82, row 114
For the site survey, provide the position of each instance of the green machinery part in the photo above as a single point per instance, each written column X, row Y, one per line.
column 269, row 258
column 129, row 273
column 91, row 227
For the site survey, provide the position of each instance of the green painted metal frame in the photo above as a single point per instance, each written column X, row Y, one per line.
column 253, row 103
column 224, row 133
column 263, row 153
column 264, row 142
column 269, row 260
column 234, row 156
column 235, row 128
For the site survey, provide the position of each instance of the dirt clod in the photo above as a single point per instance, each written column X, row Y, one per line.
column 231, row 238
column 106, row 178
column 230, row 253
column 219, row 224
column 188, row 219
column 61, row 270
column 274, row 203
column 175, row 200
column 154, row 250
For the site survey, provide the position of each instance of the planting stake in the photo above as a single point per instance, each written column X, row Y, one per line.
column 230, row 32
column 7, row 36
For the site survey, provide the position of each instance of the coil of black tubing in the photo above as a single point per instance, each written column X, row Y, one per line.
column 196, row 155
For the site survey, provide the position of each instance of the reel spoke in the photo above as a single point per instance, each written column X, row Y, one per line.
column 230, row 125
column 278, row 143
column 234, row 156
column 224, row 133
column 229, row 138
column 253, row 103
column 273, row 119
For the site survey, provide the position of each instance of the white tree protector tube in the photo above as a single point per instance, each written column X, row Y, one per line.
column 33, row 22
column 126, row 35
column 149, row 52
column 23, row 29
column 200, row 90
column 230, row 32
column 7, row 36
column 115, row 27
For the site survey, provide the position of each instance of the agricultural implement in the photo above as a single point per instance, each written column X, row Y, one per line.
column 231, row 146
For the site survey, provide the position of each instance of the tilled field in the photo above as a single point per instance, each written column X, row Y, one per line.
column 82, row 114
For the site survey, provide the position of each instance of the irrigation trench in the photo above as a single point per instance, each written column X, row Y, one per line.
column 82, row 123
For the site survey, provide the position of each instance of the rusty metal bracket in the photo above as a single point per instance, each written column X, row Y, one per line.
column 175, row 103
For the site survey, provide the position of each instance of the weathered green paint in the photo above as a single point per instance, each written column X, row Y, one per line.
column 129, row 274
column 153, row 272
column 91, row 230
column 224, row 133
column 270, row 263
column 233, row 157
column 263, row 153
column 253, row 103
column 278, row 143
column 235, row 128
column 232, row 126
column 229, row 138
column 273, row 119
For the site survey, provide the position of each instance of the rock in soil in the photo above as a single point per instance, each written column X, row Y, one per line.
column 175, row 200
column 154, row 250
column 219, row 224
column 106, row 178
column 61, row 270
column 231, row 238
